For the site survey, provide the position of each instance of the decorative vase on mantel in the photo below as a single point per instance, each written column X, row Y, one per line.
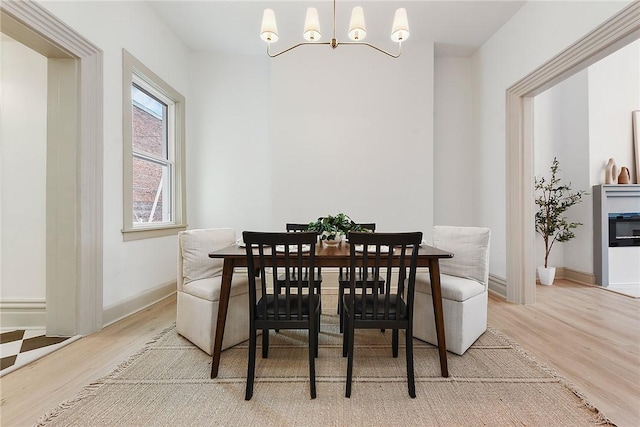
column 625, row 176
column 546, row 275
column 611, row 172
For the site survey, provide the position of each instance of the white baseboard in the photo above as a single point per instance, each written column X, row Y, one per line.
column 574, row 276
column 23, row 314
column 124, row 308
column 32, row 314
column 579, row 276
column 498, row 285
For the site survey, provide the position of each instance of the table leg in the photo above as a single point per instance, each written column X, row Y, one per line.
column 436, row 292
column 223, row 305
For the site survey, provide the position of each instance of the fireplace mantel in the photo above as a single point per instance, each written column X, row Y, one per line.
column 610, row 198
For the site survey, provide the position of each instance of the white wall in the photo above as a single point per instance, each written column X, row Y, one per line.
column 130, row 268
column 311, row 133
column 535, row 34
column 453, row 148
column 614, row 92
column 228, row 154
column 23, row 153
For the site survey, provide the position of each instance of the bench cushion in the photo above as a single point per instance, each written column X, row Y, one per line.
column 196, row 245
column 453, row 288
column 209, row 288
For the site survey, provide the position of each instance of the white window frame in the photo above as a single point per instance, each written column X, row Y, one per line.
column 133, row 71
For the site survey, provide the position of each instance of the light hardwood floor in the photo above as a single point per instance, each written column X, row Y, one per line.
column 588, row 335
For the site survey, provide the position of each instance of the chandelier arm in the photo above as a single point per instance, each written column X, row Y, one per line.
column 293, row 47
column 375, row 47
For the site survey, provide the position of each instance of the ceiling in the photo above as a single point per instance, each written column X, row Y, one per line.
column 457, row 28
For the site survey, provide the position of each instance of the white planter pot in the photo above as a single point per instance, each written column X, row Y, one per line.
column 546, row 275
column 332, row 242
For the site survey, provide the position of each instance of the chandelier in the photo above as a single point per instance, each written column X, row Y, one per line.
column 357, row 30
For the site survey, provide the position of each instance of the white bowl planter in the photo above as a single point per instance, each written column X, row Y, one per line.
column 546, row 275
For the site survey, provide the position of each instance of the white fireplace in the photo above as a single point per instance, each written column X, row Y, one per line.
column 616, row 234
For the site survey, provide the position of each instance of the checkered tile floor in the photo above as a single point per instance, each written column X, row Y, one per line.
column 21, row 347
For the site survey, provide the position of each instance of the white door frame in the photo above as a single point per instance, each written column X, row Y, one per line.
column 74, row 166
column 618, row 31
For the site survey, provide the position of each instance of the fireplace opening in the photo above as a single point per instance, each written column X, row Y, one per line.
column 624, row 229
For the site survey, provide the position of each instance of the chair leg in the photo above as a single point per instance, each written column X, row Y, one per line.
column 313, row 349
column 351, row 333
column 341, row 306
column 382, row 292
column 345, row 335
column 276, row 291
column 394, row 343
column 410, row 373
column 317, row 332
column 251, row 365
column 265, row 343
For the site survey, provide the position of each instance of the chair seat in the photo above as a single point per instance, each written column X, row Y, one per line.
column 368, row 306
column 209, row 288
column 282, row 306
column 453, row 288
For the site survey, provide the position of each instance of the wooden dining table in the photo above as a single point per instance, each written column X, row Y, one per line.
column 328, row 256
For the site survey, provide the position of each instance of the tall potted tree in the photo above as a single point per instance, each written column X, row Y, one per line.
column 553, row 200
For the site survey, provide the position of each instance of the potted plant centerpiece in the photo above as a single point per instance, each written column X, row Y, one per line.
column 553, row 200
column 332, row 228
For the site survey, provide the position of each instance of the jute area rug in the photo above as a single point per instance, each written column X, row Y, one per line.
column 167, row 383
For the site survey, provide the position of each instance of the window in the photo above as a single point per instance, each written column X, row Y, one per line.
column 153, row 132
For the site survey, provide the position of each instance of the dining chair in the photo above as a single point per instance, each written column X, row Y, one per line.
column 343, row 277
column 298, row 307
column 367, row 308
column 464, row 280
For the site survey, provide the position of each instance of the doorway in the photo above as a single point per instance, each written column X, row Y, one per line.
column 74, row 166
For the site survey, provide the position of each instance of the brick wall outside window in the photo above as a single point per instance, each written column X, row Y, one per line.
column 147, row 137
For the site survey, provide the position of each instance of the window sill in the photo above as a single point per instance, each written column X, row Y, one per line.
column 150, row 233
